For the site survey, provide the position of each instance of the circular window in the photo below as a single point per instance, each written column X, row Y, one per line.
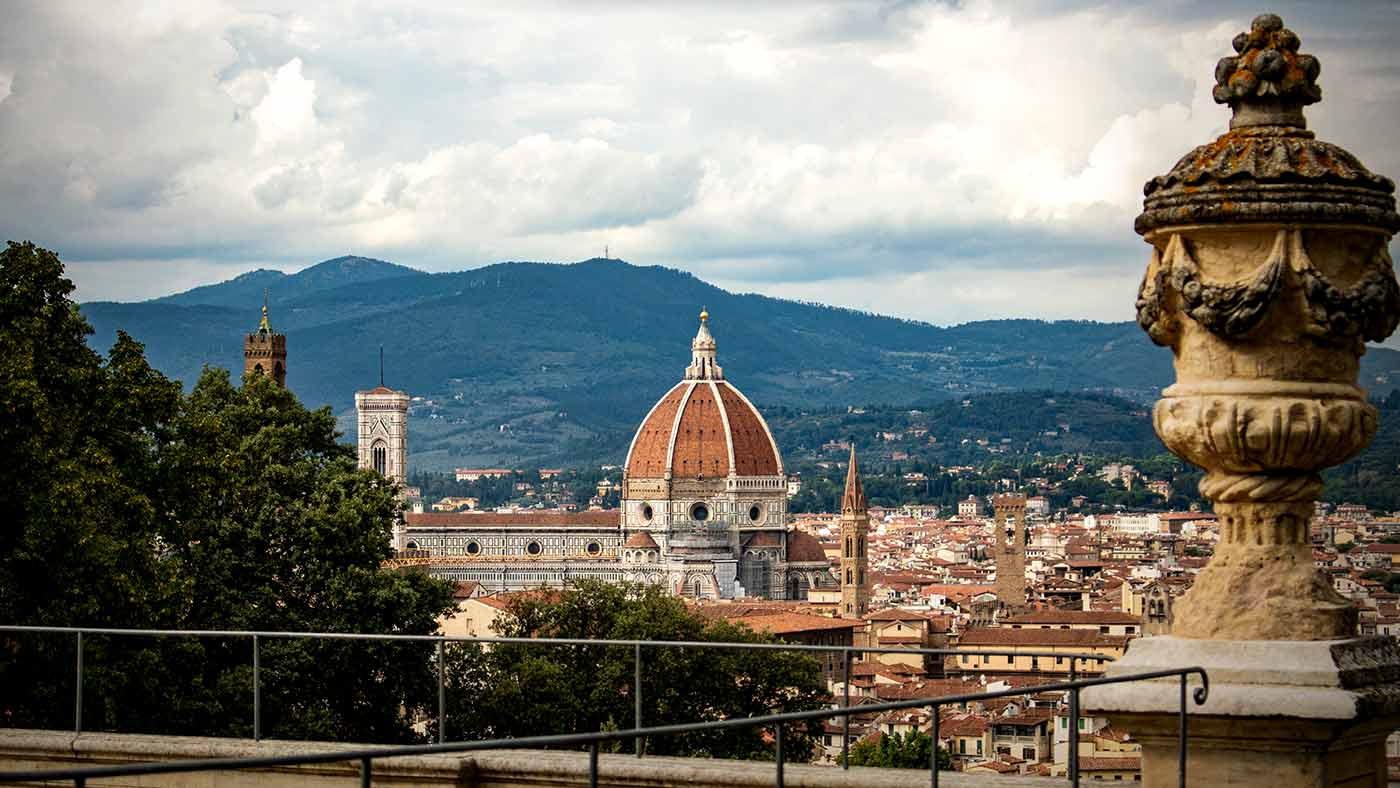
column 594, row 548
column 700, row 512
column 647, row 513
column 755, row 512
column 473, row 548
column 533, row 548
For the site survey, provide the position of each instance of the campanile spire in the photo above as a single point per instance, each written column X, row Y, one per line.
column 855, row 529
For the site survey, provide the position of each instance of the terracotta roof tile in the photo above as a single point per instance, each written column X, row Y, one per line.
column 640, row 539
column 789, row 623
column 804, row 548
column 1073, row 617
column 701, row 446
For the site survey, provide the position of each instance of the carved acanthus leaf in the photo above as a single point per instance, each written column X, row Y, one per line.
column 1226, row 310
column 1369, row 309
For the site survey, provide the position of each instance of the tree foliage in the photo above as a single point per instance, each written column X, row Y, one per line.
column 514, row 690
column 898, row 751
column 133, row 505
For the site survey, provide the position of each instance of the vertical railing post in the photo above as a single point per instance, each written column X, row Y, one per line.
column 1074, row 724
column 637, row 695
column 366, row 772
column 778, row 741
column 933, row 750
column 78, row 689
column 846, row 718
column 593, row 765
column 1181, row 738
column 257, row 690
column 442, row 693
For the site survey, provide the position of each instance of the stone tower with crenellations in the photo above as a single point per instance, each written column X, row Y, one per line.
column 265, row 351
column 855, row 529
column 1009, row 511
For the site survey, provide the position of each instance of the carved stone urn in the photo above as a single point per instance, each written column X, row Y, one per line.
column 1269, row 272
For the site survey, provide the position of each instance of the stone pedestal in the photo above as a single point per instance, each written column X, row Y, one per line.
column 1281, row 714
column 1270, row 272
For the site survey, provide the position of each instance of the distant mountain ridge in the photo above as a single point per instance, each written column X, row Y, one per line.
column 248, row 288
column 519, row 361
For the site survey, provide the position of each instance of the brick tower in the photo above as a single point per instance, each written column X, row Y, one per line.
column 1010, row 549
column 265, row 352
column 855, row 526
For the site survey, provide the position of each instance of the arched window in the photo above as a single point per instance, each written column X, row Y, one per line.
column 860, row 573
column 697, row 587
column 379, row 456
column 848, row 576
column 861, row 544
column 848, row 546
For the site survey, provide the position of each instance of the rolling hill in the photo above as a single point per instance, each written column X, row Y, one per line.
column 544, row 363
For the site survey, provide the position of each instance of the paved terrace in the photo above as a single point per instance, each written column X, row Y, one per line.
column 26, row 749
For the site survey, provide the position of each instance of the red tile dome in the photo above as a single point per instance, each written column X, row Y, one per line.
column 703, row 427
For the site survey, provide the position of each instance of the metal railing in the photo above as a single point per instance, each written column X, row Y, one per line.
column 637, row 734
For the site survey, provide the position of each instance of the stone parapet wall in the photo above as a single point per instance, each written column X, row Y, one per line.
column 24, row 749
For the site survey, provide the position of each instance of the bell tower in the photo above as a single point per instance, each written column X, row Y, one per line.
column 381, row 416
column 1009, row 547
column 855, row 529
column 265, row 352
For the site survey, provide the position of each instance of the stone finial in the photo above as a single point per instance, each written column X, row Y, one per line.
column 1268, row 82
column 1268, row 169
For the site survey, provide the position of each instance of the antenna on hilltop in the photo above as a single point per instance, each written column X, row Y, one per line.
column 381, row 365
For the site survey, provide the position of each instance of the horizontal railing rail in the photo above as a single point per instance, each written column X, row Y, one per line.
column 847, row 653
column 366, row 756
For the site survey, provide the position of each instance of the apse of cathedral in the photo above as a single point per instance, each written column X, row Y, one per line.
column 703, row 513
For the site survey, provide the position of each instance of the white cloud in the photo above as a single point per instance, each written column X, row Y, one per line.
column 287, row 110
column 942, row 161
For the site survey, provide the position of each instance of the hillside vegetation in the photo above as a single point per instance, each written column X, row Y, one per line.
column 535, row 363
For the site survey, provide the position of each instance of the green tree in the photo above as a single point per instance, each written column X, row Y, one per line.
column 130, row 505
column 514, row 690
column 276, row 529
column 898, row 751
column 80, row 434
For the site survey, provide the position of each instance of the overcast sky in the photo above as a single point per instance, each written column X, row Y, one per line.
column 943, row 161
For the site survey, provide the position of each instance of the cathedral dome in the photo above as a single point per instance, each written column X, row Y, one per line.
column 703, row 427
